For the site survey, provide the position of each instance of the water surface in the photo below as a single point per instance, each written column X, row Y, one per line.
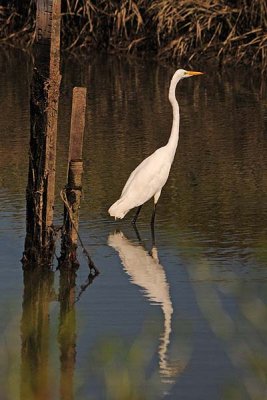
column 185, row 318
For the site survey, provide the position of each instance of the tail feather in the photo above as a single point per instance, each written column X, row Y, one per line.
column 118, row 209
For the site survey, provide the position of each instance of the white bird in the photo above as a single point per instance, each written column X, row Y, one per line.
column 149, row 177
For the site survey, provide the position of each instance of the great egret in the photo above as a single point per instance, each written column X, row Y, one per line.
column 149, row 177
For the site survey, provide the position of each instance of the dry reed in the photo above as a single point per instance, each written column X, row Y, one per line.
column 173, row 30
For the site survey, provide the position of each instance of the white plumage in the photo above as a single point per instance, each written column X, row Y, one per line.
column 149, row 177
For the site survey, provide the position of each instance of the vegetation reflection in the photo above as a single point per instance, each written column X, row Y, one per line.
column 234, row 305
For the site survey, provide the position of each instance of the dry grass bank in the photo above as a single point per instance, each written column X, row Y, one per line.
column 173, row 30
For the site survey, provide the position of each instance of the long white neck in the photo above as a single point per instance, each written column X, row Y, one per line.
column 174, row 136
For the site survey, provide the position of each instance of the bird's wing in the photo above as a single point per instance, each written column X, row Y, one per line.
column 148, row 177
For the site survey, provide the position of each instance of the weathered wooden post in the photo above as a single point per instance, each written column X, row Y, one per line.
column 39, row 242
column 73, row 191
column 75, row 167
column 44, row 10
column 52, row 113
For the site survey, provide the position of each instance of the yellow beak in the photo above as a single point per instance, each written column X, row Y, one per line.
column 194, row 73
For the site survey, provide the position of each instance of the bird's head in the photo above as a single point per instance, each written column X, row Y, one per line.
column 182, row 73
column 179, row 75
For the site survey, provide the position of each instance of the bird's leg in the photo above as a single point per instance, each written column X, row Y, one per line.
column 136, row 215
column 152, row 224
column 153, row 217
column 153, row 235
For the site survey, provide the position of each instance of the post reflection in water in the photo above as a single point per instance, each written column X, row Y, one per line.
column 38, row 293
column 37, row 376
column 145, row 270
column 67, row 333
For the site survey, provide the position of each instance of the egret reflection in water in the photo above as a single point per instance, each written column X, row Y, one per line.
column 145, row 270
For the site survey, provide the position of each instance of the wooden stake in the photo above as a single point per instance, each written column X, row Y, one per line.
column 39, row 242
column 43, row 27
column 75, row 170
column 52, row 112
column 77, row 123
column 73, row 191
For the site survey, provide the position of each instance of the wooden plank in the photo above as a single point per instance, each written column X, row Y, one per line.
column 43, row 20
column 77, row 123
column 73, row 191
column 52, row 111
column 75, row 164
column 42, row 161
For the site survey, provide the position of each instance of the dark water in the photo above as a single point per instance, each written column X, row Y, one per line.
column 185, row 319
